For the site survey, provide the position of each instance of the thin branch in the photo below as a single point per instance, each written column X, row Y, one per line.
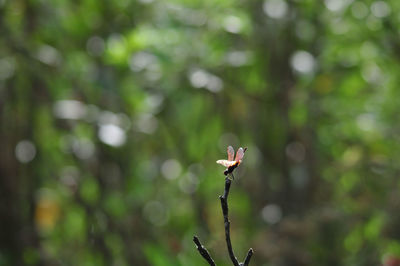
column 224, row 205
column 248, row 257
column 203, row 251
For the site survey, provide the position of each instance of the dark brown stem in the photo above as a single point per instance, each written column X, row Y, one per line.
column 224, row 205
column 248, row 257
column 203, row 251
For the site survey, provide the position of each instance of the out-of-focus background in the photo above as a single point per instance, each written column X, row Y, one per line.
column 113, row 114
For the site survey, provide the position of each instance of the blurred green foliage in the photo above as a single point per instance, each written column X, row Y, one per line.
column 114, row 112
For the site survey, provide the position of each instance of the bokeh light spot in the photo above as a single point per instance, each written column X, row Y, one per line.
column 69, row 109
column 303, row 62
column 25, row 151
column 335, row 5
column 275, row 8
column 202, row 79
column 7, row 67
column 83, row 148
column 238, row 58
column 359, row 10
column 49, row 55
column 146, row 123
column 380, row 9
column 171, row 169
column 271, row 213
column 142, row 60
column 233, row 24
column 112, row 135
column 198, row 78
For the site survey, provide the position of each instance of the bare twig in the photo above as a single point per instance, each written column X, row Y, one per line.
column 203, row 251
column 224, row 205
column 248, row 257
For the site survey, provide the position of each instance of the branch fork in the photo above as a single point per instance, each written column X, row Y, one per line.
column 203, row 251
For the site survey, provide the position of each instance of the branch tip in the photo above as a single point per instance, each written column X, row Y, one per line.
column 248, row 257
column 203, row 251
